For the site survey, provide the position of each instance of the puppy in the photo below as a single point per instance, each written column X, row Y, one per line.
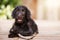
column 24, row 26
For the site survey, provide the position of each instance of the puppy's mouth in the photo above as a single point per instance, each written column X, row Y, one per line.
column 19, row 20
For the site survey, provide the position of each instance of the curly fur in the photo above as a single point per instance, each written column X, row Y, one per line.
column 26, row 28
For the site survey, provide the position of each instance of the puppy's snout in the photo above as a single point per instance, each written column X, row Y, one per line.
column 19, row 15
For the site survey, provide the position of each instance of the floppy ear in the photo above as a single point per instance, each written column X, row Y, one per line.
column 28, row 14
column 14, row 12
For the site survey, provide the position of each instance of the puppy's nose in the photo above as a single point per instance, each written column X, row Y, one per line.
column 19, row 15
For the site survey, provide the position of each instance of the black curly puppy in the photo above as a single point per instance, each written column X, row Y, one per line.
column 24, row 26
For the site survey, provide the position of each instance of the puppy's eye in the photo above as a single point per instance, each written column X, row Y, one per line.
column 18, row 11
column 23, row 10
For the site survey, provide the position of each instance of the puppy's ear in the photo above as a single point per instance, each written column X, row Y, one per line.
column 14, row 12
column 28, row 13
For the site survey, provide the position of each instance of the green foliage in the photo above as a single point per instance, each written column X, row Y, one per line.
column 6, row 7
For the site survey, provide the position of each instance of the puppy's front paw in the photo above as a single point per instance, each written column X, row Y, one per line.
column 12, row 36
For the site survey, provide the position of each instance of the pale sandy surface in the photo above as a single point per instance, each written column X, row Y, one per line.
column 45, row 33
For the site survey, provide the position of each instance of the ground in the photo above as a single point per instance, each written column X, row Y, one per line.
column 45, row 33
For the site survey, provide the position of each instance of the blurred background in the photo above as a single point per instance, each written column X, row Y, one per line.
column 46, row 14
column 40, row 9
column 6, row 7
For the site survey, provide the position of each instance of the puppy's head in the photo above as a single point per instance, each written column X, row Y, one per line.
column 20, row 13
